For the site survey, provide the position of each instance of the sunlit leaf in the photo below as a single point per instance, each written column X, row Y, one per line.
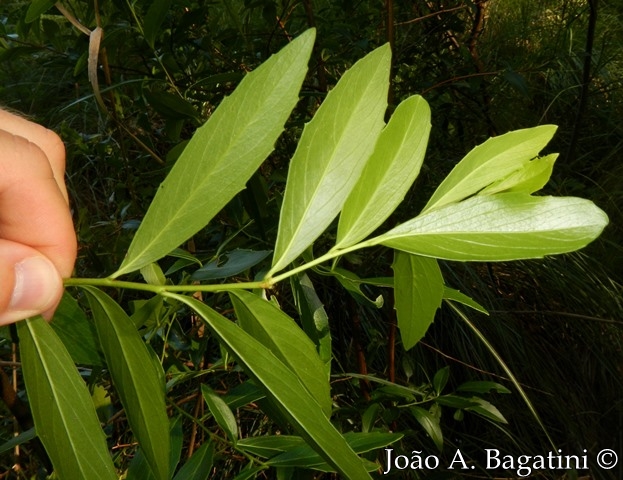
column 139, row 385
column 283, row 387
column 222, row 155
column 418, row 291
column 507, row 226
column 331, row 154
column 61, row 405
column 489, row 162
column 529, row 179
column 285, row 339
column 388, row 174
column 455, row 295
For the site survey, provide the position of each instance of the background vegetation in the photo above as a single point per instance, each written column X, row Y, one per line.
column 484, row 66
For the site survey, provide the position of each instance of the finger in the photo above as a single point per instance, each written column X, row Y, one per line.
column 29, row 283
column 33, row 210
column 48, row 141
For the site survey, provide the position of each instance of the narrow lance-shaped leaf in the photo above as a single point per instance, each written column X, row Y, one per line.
column 222, row 155
column 221, row 412
column 331, row 154
column 418, row 291
column 136, row 377
column 490, row 161
column 282, row 336
column 61, row 405
column 388, row 174
column 283, row 387
column 506, row 226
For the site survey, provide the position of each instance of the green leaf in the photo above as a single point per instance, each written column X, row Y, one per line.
column 351, row 282
column 62, row 410
column 455, row 401
column 418, row 291
column 77, row 333
column 284, row 388
column 313, row 317
column 331, row 154
column 441, row 379
column 486, row 409
column 199, row 465
column 482, row 387
column 222, row 155
column 171, row 106
column 530, row 178
column 304, row 457
column 221, row 412
column 38, row 8
column 456, row 296
column 388, row 174
column 285, row 339
column 268, row 446
column 156, row 14
column 235, row 262
column 507, row 226
column 489, row 162
column 136, row 379
column 23, row 437
column 430, row 424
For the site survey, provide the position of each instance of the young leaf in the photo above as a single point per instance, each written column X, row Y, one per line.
column 418, row 291
column 331, row 154
column 530, row 178
column 506, row 226
column 284, row 388
column 490, row 161
column 222, row 155
column 221, row 412
column 285, row 339
column 388, row 174
column 61, row 405
column 138, row 382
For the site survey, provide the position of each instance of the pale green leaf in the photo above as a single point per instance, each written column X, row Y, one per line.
column 430, row 424
column 285, row 339
column 459, row 297
column 61, row 405
column 506, row 226
column 77, row 332
column 489, row 162
column 199, row 465
column 388, row 174
column 222, row 155
column 331, row 154
column 135, row 376
column 221, row 412
column 418, row 291
column 530, row 178
column 284, row 388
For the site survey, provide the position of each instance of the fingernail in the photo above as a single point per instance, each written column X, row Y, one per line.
column 37, row 283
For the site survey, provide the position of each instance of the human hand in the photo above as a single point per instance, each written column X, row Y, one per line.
column 37, row 239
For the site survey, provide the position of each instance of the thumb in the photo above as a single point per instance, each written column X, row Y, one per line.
column 29, row 283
